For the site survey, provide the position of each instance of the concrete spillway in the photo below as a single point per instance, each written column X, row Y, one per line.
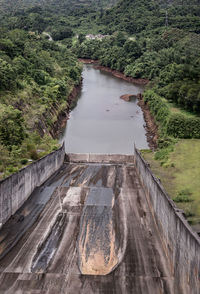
column 88, row 229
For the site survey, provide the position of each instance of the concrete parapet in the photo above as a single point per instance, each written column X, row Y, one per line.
column 182, row 245
column 99, row 158
column 15, row 189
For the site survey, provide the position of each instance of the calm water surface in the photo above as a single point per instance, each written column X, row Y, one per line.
column 101, row 121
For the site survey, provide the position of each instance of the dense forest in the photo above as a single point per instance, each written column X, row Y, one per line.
column 62, row 6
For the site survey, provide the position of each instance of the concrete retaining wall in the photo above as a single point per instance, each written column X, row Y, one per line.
column 15, row 189
column 182, row 245
column 99, row 158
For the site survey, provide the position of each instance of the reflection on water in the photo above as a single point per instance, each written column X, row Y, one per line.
column 101, row 121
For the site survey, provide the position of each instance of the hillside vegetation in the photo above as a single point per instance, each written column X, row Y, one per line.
column 36, row 77
column 61, row 6
column 144, row 42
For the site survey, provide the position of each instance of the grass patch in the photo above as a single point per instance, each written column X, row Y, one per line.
column 183, row 196
column 181, row 179
column 175, row 109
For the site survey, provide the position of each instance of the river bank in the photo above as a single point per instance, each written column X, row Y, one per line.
column 63, row 116
column 151, row 126
column 122, row 76
column 115, row 73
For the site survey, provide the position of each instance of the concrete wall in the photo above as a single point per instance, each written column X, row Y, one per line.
column 15, row 189
column 182, row 245
column 99, row 158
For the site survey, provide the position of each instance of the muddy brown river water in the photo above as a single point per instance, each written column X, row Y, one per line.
column 102, row 122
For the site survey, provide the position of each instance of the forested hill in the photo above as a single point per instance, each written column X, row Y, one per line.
column 65, row 6
column 134, row 16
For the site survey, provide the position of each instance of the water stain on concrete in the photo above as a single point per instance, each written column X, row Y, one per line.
column 91, row 232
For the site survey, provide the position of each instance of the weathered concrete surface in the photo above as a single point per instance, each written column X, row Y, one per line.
column 15, row 189
column 181, row 244
column 96, row 243
column 97, row 220
column 100, row 158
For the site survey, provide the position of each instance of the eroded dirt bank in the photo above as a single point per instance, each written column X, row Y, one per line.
column 63, row 116
column 122, row 76
column 54, row 128
column 115, row 73
column 151, row 126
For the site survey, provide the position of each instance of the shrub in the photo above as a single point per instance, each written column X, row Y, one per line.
column 165, row 142
column 24, row 161
column 168, row 163
column 157, row 106
column 189, row 213
column 172, row 124
column 161, row 154
column 34, row 155
column 12, row 128
column 30, row 146
column 183, row 196
column 11, row 169
column 176, row 125
column 181, row 126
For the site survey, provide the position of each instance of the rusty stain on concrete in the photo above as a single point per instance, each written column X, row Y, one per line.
column 96, row 245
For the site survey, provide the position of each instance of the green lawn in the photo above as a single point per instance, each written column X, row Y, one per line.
column 183, row 179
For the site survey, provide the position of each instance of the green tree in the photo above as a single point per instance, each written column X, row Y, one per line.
column 7, row 75
column 7, row 46
column 12, row 129
column 81, row 38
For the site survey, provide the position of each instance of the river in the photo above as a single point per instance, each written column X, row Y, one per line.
column 102, row 122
